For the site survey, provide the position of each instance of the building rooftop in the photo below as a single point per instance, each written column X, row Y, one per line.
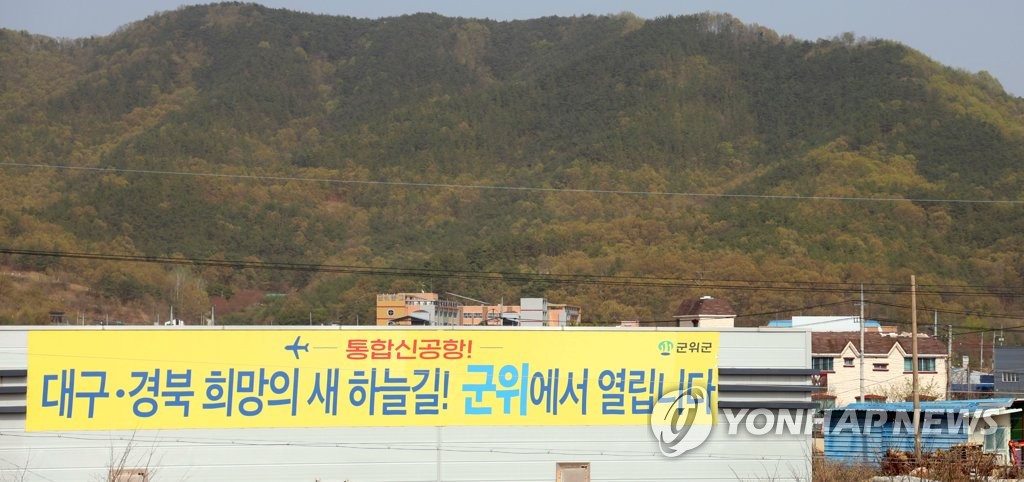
column 831, row 323
column 704, row 305
column 938, row 406
column 874, row 343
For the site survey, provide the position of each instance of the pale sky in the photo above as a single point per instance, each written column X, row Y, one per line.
column 974, row 36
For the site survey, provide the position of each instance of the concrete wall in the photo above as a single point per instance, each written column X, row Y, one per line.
column 768, row 368
column 717, row 323
column 844, row 381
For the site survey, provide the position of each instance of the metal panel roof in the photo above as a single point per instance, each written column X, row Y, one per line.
column 938, row 406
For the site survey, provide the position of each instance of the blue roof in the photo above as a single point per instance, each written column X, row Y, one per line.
column 789, row 324
column 940, row 406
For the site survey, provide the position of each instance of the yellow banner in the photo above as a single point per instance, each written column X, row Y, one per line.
column 170, row 379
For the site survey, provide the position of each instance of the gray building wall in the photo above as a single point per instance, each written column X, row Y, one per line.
column 758, row 368
column 1008, row 370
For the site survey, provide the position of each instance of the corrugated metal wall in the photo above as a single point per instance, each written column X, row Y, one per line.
column 867, row 441
column 758, row 368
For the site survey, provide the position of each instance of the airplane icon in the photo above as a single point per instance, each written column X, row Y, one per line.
column 295, row 347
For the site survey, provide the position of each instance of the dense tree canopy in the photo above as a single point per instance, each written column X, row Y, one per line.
column 523, row 150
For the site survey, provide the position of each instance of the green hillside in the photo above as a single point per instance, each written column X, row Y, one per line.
column 613, row 162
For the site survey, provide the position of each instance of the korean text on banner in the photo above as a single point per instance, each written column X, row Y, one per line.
column 171, row 379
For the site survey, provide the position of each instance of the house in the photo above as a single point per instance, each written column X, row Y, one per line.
column 862, row 432
column 888, row 369
column 424, row 306
column 530, row 312
column 444, row 310
column 705, row 312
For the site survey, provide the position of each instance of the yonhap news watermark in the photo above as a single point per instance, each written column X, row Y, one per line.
column 901, row 422
column 683, row 420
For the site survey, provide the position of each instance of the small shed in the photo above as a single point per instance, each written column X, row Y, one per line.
column 705, row 312
column 862, row 432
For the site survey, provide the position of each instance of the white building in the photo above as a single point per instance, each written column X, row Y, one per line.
column 888, row 369
column 705, row 312
column 828, row 323
column 50, row 431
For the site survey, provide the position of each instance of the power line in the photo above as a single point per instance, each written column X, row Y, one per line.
column 873, row 384
column 924, row 329
column 747, row 315
column 511, row 188
column 951, row 312
column 603, row 280
column 802, row 308
column 1008, row 328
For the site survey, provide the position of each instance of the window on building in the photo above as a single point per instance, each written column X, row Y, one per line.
column 821, row 363
column 924, row 364
column 1011, row 377
column 847, row 362
column 880, row 367
column 996, row 440
column 824, row 401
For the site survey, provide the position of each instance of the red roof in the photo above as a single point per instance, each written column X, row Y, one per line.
column 874, row 343
column 704, row 306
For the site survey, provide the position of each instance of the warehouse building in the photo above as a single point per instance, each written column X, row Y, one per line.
column 397, row 404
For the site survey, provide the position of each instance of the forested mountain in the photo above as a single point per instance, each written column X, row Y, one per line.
column 613, row 162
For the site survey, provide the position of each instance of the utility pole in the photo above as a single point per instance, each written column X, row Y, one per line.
column 935, row 324
column 949, row 367
column 913, row 344
column 994, row 347
column 995, row 340
column 862, row 343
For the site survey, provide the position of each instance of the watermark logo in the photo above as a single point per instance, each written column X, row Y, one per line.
column 901, row 422
column 665, row 347
column 681, row 420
